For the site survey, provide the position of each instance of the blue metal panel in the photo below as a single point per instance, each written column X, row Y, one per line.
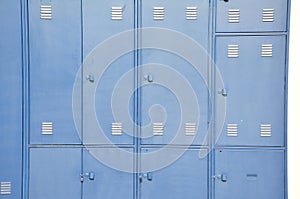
column 254, row 78
column 10, row 100
column 251, row 16
column 55, row 173
column 160, row 104
column 187, row 177
column 55, row 58
column 101, row 21
column 107, row 182
column 249, row 174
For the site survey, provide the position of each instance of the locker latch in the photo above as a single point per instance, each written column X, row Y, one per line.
column 223, row 92
column 90, row 176
column 222, row 177
column 148, row 176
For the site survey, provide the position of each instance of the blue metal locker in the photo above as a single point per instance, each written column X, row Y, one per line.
column 249, row 173
column 10, row 100
column 161, row 103
column 187, row 177
column 102, row 20
column 102, row 181
column 251, row 16
column 55, row 58
column 54, row 173
column 253, row 71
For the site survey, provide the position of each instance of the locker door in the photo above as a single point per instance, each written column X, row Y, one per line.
column 104, row 181
column 187, row 177
column 10, row 100
column 103, row 69
column 251, row 16
column 54, row 173
column 55, row 58
column 253, row 70
column 165, row 74
column 249, row 174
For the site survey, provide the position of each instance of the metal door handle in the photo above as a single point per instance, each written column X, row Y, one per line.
column 90, row 78
column 90, row 175
column 149, row 176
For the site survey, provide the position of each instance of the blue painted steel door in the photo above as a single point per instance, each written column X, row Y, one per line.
column 10, row 100
column 251, row 16
column 54, row 173
column 170, row 81
column 55, row 58
column 249, row 174
column 107, row 58
column 253, row 70
column 186, row 177
column 105, row 181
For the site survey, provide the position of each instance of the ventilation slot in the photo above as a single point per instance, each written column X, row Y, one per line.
column 191, row 13
column 265, row 130
column 46, row 12
column 233, row 51
column 268, row 15
column 267, row 50
column 116, row 128
column 117, row 13
column 158, row 129
column 47, row 128
column 5, row 188
column 190, row 129
column 158, row 13
column 234, row 15
column 232, row 130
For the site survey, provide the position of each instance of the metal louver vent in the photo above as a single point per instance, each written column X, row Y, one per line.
column 265, row 130
column 234, row 15
column 116, row 128
column 47, row 128
column 268, row 15
column 117, row 13
column 233, row 51
column 5, row 188
column 158, row 13
column 190, row 129
column 232, row 130
column 266, row 50
column 46, row 12
column 158, row 129
column 191, row 12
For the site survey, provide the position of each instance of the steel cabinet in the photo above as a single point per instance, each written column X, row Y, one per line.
column 249, row 174
column 251, row 16
column 187, row 177
column 103, row 181
column 10, row 100
column 55, row 58
column 54, row 173
column 107, row 68
column 253, row 70
column 160, row 100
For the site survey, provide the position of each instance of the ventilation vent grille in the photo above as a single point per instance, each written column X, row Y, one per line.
column 232, row 130
column 233, row 51
column 190, row 129
column 191, row 13
column 5, row 188
column 265, row 130
column 117, row 13
column 47, row 128
column 158, row 13
column 46, row 12
column 268, row 15
column 267, row 50
column 158, row 129
column 116, row 128
column 234, row 15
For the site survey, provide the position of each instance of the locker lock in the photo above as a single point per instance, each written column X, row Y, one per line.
column 222, row 177
column 149, row 78
column 89, row 175
column 90, row 78
column 148, row 176
column 223, row 92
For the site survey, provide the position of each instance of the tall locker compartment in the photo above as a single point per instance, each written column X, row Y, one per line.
column 10, row 100
column 251, row 56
